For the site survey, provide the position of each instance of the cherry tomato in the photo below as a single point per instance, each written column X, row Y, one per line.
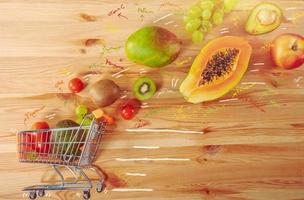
column 127, row 112
column 134, row 102
column 40, row 140
column 76, row 85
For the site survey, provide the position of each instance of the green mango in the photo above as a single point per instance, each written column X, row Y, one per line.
column 152, row 46
column 63, row 139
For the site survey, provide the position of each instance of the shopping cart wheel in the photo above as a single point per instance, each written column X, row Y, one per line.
column 41, row 193
column 99, row 187
column 33, row 195
column 86, row 194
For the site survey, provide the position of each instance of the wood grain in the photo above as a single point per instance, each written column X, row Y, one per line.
column 247, row 145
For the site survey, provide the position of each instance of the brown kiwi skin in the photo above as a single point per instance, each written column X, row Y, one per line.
column 104, row 92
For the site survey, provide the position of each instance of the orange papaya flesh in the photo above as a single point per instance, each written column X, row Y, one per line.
column 217, row 69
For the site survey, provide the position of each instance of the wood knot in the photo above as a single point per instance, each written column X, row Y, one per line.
column 206, row 130
column 89, row 18
column 212, row 149
column 91, row 42
column 82, row 51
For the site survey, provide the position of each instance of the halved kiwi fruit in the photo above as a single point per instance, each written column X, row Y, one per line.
column 144, row 88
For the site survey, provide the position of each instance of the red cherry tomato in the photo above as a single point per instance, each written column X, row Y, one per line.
column 76, row 85
column 40, row 140
column 134, row 102
column 127, row 112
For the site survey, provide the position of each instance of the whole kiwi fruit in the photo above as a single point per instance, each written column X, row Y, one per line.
column 104, row 92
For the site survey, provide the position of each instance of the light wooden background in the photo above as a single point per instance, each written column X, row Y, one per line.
column 252, row 146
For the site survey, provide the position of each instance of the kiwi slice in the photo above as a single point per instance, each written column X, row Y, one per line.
column 144, row 88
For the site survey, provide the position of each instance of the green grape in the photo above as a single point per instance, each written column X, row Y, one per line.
column 194, row 11
column 229, row 5
column 217, row 17
column 197, row 36
column 193, row 25
column 186, row 18
column 79, row 120
column 86, row 122
column 207, row 4
column 81, row 111
column 206, row 14
column 206, row 26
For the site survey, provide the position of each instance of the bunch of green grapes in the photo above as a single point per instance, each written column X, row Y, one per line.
column 202, row 16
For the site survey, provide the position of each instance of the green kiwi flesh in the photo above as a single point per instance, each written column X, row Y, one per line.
column 144, row 88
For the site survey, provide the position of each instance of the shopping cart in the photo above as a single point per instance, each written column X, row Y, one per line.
column 72, row 148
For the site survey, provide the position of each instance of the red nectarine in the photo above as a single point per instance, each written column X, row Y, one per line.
column 287, row 50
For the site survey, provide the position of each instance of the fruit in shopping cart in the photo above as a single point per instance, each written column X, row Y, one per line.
column 100, row 115
column 67, row 141
column 104, row 92
column 81, row 111
column 86, row 121
column 152, row 46
column 26, row 149
column 76, row 85
column 109, row 120
column 217, row 69
column 31, row 155
column 144, row 88
column 40, row 139
column 40, row 125
column 66, row 123
column 265, row 17
column 287, row 51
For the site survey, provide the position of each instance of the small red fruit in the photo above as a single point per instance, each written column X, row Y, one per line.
column 25, row 146
column 287, row 50
column 40, row 125
column 76, row 85
column 128, row 112
column 40, row 140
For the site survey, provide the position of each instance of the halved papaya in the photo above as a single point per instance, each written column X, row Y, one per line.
column 217, row 69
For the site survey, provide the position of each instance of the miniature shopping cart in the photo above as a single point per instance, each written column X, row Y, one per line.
column 72, row 148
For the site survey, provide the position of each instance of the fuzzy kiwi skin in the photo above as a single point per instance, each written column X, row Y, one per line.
column 104, row 92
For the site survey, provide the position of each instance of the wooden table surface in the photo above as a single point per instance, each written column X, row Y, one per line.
column 247, row 145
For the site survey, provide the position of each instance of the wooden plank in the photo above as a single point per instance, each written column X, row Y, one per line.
column 246, row 145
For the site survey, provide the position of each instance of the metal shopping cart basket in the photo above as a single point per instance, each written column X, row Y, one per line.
column 74, row 148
